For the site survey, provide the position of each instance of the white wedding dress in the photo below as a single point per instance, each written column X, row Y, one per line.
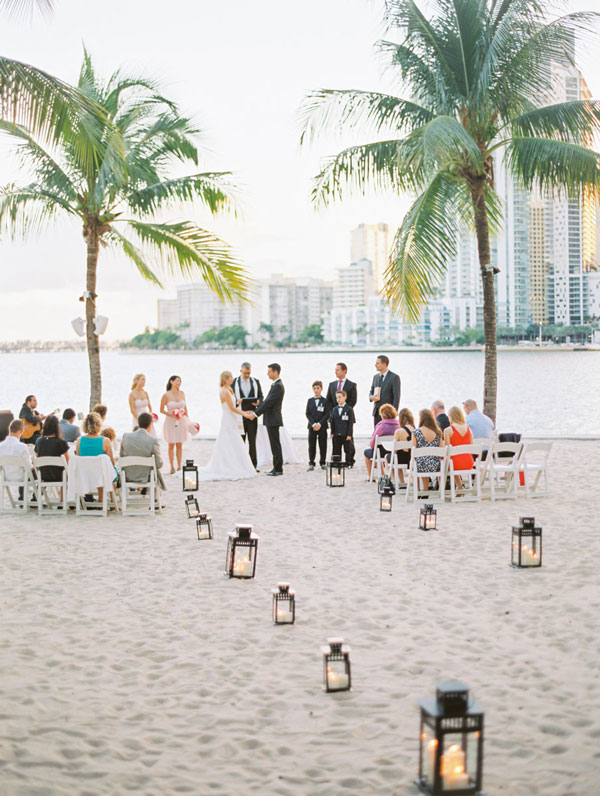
column 230, row 460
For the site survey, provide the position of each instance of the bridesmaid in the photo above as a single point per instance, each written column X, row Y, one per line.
column 175, row 430
column 139, row 400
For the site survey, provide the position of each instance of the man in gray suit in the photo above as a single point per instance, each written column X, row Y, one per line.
column 385, row 388
column 142, row 443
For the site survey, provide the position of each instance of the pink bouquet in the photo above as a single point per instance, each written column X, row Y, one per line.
column 178, row 414
column 193, row 428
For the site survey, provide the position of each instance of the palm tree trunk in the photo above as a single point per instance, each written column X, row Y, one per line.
column 482, row 230
column 93, row 345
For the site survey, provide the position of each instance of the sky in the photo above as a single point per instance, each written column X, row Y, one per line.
column 242, row 70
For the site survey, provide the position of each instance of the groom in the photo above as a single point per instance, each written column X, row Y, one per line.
column 271, row 408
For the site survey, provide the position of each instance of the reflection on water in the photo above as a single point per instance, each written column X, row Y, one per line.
column 545, row 392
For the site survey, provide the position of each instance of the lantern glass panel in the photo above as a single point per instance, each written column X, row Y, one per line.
column 336, row 661
column 526, row 544
column 428, row 518
column 192, row 507
column 385, row 502
column 335, row 474
column 241, row 553
column 284, row 605
column 190, row 476
column 204, row 527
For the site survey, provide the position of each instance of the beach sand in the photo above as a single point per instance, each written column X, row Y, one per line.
column 131, row 664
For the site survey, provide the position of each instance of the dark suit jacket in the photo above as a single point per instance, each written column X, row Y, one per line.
column 390, row 390
column 341, row 427
column 315, row 415
column 256, row 394
column 271, row 406
column 350, row 390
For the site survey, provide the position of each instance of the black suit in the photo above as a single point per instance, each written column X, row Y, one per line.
column 342, row 424
column 270, row 408
column 317, row 411
column 250, row 426
column 349, row 387
column 390, row 392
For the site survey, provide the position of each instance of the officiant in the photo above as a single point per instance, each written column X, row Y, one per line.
column 248, row 395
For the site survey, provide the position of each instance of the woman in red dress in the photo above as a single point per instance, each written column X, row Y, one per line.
column 459, row 433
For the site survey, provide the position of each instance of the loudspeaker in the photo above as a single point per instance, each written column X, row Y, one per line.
column 6, row 417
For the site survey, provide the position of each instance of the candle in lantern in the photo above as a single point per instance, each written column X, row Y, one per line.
column 337, row 681
column 429, row 758
column 284, row 616
column 242, row 568
column 453, row 771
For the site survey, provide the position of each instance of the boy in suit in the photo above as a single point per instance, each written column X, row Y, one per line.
column 342, row 423
column 317, row 413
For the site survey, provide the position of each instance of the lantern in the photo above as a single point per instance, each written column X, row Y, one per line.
column 242, row 549
column 451, row 745
column 190, row 476
column 335, row 475
column 192, row 507
column 526, row 544
column 204, row 526
column 386, row 491
column 428, row 518
column 284, row 605
column 336, row 663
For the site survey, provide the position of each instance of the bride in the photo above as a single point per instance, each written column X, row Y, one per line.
column 230, row 459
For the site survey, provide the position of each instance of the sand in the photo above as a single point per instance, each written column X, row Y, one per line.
column 130, row 664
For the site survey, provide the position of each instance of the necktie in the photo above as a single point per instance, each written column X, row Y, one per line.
column 339, row 385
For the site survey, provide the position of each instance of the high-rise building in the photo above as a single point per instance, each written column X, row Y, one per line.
column 290, row 305
column 199, row 309
column 372, row 242
column 354, row 285
column 167, row 313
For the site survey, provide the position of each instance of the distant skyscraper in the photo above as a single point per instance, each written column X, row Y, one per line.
column 199, row 309
column 167, row 313
column 355, row 284
column 372, row 242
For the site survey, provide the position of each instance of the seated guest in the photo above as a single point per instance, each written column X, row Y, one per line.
column 51, row 444
column 101, row 410
column 111, row 435
column 481, row 425
column 92, row 443
column 70, row 432
column 387, row 427
column 144, row 443
column 404, row 434
column 439, row 412
column 458, row 433
column 428, row 435
column 32, row 420
column 12, row 446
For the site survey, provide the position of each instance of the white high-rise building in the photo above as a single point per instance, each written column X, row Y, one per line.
column 167, row 313
column 199, row 309
column 290, row 305
column 354, row 285
column 372, row 242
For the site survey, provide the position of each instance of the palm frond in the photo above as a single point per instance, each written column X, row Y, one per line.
column 135, row 255
column 576, row 122
column 27, row 210
column 211, row 188
column 555, row 166
column 24, row 9
column 444, row 140
column 187, row 250
column 346, row 109
column 412, row 70
column 424, row 243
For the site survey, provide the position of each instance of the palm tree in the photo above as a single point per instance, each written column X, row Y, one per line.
column 475, row 72
column 116, row 199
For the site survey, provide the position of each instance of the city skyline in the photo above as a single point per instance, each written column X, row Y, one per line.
column 235, row 67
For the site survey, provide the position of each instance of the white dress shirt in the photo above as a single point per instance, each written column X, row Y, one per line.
column 14, row 447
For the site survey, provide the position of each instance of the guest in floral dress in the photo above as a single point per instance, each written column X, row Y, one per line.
column 428, row 435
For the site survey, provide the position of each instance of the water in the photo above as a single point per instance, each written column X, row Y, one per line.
column 540, row 392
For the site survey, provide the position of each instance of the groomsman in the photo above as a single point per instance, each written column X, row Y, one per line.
column 385, row 388
column 342, row 422
column 248, row 395
column 317, row 414
column 342, row 383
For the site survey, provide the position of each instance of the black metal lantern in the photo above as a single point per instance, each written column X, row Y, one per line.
column 386, row 491
column 428, row 518
column 242, row 549
column 526, row 544
column 451, row 742
column 335, row 475
column 192, row 507
column 284, row 605
column 190, row 476
column 336, row 665
column 204, row 526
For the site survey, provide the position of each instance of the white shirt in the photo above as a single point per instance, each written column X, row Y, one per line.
column 245, row 386
column 14, row 447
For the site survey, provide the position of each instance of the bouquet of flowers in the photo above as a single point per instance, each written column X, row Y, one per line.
column 178, row 414
column 155, row 417
column 193, row 428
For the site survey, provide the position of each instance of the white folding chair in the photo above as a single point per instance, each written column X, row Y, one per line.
column 86, row 475
column 533, row 463
column 503, row 471
column 378, row 460
column 473, row 476
column 394, row 467
column 414, row 475
column 51, row 495
column 10, row 481
column 138, row 502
